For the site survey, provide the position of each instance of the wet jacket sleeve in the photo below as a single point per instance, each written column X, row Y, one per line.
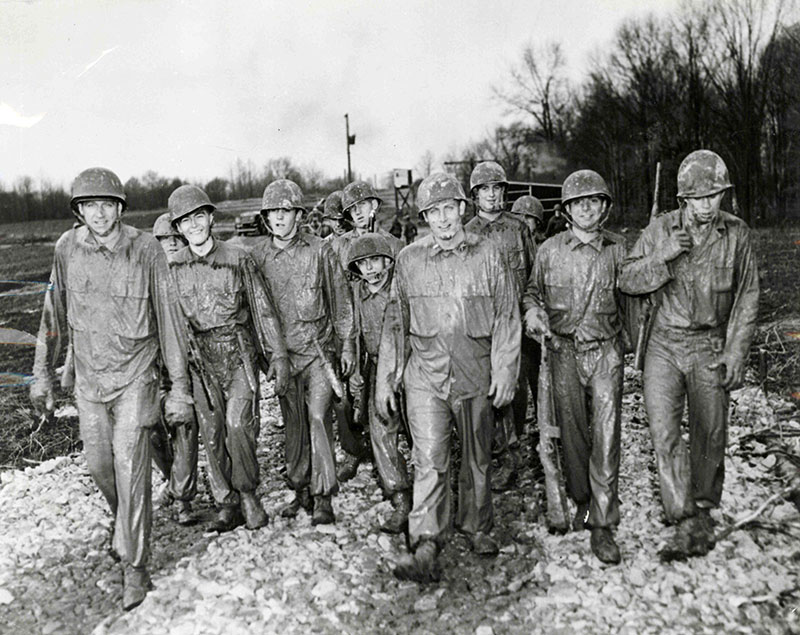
column 507, row 327
column 533, row 296
column 393, row 351
column 742, row 320
column 265, row 320
column 645, row 270
column 171, row 324
column 340, row 301
column 529, row 245
column 53, row 326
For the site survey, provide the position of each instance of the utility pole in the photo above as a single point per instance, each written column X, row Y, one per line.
column 351, row 140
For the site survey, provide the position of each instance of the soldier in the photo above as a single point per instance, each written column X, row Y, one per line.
column 488, row 187
column 557, row 222
column 313, row 299
column 699, row 266
column 111, row 297
column 332, row 214
column 529, row 210
column 231, row 321
column 371, row 259
column 454, row 306
column 572, row 298
column 174, row 451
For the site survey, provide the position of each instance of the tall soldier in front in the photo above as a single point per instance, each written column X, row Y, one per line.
column 452, row 334
column 697, row 263
column 314, row 302
column 488, row 186
column 111, row 299
column 231, row 319
column 572, row 298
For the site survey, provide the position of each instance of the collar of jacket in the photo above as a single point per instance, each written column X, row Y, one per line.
column 299, row 237
column 86, row 237
column 485, row 221
column 603, row 239
column 677, row 221
column 214, row 246
column 469, row 240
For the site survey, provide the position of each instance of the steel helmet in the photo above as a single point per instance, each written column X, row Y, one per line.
column 365, row 246
column 356, row 192
column 584, row 183
column 333, row 205
column 528, row 206
column 163, row 227
column 185, row 200
column 95, row 183
column 436, row 188
column 702, row 173
column 282, row 194
column 486, row 172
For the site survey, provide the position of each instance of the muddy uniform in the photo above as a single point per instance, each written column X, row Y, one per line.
column 515, row 239
column 707, row 302
column 313, row 300
column 119, row 308
column 226, row 303
column 457, row 311
column 576, row 284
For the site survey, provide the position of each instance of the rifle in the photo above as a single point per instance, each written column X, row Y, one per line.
column 330, row 372
column 557, row 509
column 371, row 222
column 196, row 360
column 656, row 190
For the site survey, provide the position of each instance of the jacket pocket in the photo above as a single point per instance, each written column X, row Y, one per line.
column 479, row 315
column 310, row 305
column 424, row 314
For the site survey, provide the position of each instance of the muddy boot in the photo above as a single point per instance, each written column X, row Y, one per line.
column 135, row 585
column 708, row 526
column 484, row 545
column 581, row 517
column 401, row 501
column 111, row 550
column 422, row 567
column 301, row 500
column 323, row 511
column 679, row 546
column 254, row 514
column 348, row 468
column 185, row 514
column 228, row 518
column 701, row 536
column 604, row 547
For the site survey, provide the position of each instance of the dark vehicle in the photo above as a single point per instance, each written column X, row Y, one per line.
column 249, row 224
column 548, row 193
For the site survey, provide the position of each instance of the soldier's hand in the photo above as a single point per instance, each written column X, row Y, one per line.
column 178, row 410
column 536, row 323
column 385, row 402
column 732, row 372
column 348, row 363
column 43, row 397
column 502, row 391
column 279, row 371
column 678, row 242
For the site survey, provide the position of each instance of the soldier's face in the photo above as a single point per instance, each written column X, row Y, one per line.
column 705, row 209
column 196, row 227
column 374, row 269
column 445, row 218
column 282, row 221
column 490, row 197
column 101, row 215
column 171, row 245
column 587, row 212
column 360, row 212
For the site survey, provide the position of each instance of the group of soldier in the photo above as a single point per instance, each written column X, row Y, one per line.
column 166, row 342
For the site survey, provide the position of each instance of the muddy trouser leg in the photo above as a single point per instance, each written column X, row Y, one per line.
column 319, row 396
column 298, row 443
column 349, row 438
column 664, row 395
column 213, row 431
column 474, row 428
column 383, row 435
column 161, row 449
column 242, row 426
column 570, row 400
column 528, row 377
column 605, row 369
column 183, row 479
column 116, row 439
column 708, row 424
column 430, row 420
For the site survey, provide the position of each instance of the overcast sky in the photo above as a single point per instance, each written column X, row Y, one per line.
column 185, row 88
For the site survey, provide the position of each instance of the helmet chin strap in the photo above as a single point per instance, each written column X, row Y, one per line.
column 598, row 226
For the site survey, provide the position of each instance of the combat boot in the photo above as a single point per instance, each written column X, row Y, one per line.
column 185, row 514
column 323, row 511
column 579, row 521
column 401, row 501
column 135, row 585
column 484, row 545
column 701, row 536
column 422, row 567
column 679, row 546
column 604, row 546
column 254, row 514
column 301, row 500
column 348, row 468
column 228, row 518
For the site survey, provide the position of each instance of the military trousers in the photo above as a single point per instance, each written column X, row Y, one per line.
column 175, row 453
column 116, row 442
column 587, row 394
column 305, row 408
column 676, row 373
column 229, row 423
column 383, row 435
column 528, row 378
column 431, row 420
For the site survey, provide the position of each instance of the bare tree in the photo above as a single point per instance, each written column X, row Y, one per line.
column 425, row 164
